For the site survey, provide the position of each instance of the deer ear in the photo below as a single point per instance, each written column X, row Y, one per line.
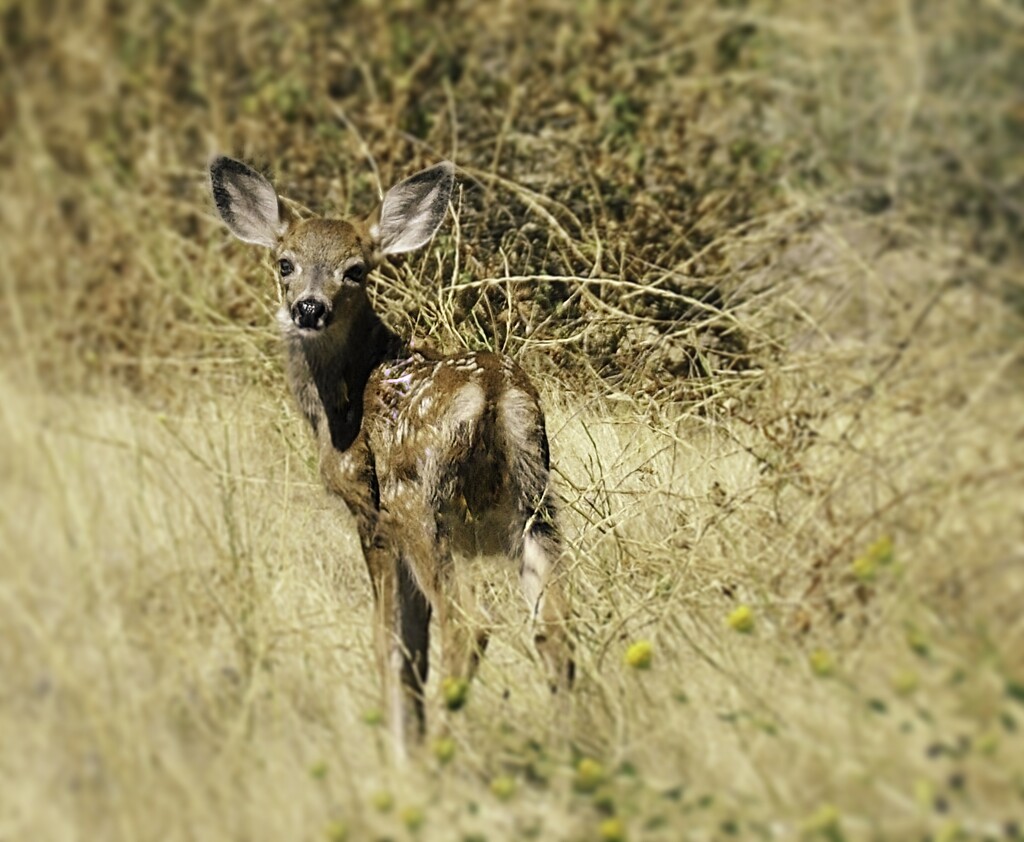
column 414, row 209
column 247, row 202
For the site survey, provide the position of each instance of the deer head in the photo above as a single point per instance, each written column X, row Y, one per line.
column 323, row 263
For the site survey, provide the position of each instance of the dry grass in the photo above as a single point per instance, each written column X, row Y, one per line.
column 765, row 263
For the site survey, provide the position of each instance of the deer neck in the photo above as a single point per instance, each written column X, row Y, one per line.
column 328, row 372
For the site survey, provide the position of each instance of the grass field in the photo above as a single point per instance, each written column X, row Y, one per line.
column 764, row 260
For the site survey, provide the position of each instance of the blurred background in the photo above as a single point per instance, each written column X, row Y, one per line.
column 678, row 147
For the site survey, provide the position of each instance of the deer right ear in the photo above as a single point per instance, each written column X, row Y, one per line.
column 414, row 209
column 247, row 202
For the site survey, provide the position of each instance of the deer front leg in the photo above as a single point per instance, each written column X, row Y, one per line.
column 402, row 642
column 401, row 614
column 414, row 644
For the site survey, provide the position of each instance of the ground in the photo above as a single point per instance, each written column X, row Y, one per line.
column 764, row 261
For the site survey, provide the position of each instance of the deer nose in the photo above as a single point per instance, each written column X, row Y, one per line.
column 308, row 312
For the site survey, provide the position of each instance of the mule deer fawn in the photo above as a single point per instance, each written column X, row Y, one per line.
column 433, row 455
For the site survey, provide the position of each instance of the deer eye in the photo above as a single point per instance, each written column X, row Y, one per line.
column 286, row 267
column 356, row 273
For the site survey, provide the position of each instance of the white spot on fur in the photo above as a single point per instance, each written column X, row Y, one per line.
column 467, row 404
column 518, row 417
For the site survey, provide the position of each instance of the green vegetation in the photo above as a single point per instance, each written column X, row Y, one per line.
column 766, row 263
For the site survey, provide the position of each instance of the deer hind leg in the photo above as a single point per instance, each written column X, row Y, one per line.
column 533, row 539
column 463, row 623
column 402, row 640
column 544, row 595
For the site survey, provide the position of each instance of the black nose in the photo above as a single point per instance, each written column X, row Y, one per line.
column 308, row 312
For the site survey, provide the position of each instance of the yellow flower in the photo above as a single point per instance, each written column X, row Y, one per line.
column 444, row 750
column 503, row 787
column 455, row 692
column 336, row 832
column 589, row 775
column 865, row 568
column 879, row 554
column 612, row 830
column 741, row 619
column 881, row 551
column 373, row 716
column 905, row 683
column 640, row 655
column 822, row 663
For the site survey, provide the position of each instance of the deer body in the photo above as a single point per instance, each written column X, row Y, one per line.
column 435, row 456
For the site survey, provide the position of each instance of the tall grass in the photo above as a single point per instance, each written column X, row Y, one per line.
column 764, row 262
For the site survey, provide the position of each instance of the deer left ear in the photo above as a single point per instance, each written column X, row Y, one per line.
column 247, row 202
column 414, row 209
